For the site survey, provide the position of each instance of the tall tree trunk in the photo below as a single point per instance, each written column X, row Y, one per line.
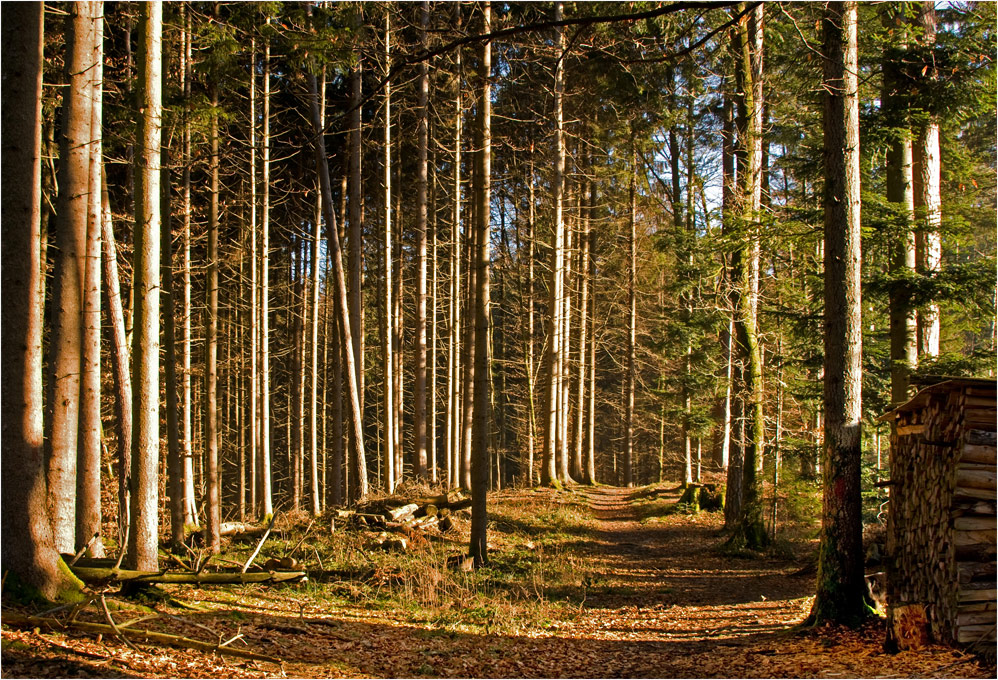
column 120, row 372
column 583, row 274
column 552, row 359
column 313, row 429
column 355, row 262
column 389, row 331
column 334, row 254
column 29, row 551
column 632, row 321
column 750, row 530
column 903, row 350
column 590, row 475
column 65, row 344
column 529, row 368
column 841, row 586
column 213, row 508
column 254, row 317
column 88, row 484
column 175, row 461
column 266, row 472
column 419, row 391
column 190, row 502
column 480, row 460
column 454, row 341
column 927, row 199
column 143, row 539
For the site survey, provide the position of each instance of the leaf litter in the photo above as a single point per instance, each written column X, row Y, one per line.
column 580, row 586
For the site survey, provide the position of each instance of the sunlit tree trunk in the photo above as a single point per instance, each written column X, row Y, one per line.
column 480, row 456
column 29, row 552
column 552, row 358
column 355, row 262
column 454, row 340
column 841, row 586
column 632, row 322
column 388, row 332
column 187, row 435
column 266, row 472
column 143, row 539
column 74, row 205
column 419, row 391
column 88, row 479
column 254, row 316
column 927, row 199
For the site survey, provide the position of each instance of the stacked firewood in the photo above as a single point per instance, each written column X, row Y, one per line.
column 941, row 527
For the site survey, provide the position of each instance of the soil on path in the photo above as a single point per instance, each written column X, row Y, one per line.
column 658, row 599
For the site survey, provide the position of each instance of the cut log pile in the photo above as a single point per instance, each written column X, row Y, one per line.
column 942, row 523
column 397, row 525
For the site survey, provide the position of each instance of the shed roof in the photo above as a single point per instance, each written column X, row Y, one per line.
column 922, row 397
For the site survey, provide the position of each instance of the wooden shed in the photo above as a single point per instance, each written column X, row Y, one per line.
column 941, row 519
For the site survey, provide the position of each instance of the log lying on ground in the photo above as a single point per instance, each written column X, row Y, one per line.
column 133, row 634
column 106, row 575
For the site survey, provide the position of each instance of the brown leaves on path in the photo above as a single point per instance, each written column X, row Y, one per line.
column 606, row 591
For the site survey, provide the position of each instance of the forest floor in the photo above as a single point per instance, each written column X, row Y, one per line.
column 600, row 582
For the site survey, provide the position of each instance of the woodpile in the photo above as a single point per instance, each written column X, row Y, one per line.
column 397, row 525
column 941, row 546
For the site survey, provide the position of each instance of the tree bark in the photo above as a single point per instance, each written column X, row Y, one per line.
column 419, row 390
column 841, row 585
column 903, row 350
column 552, row 358
column 65, row 344
column 632, row 321
column 266, row 472
column 355, row 262
column 143, row 538
column 88, row 479
column 388, row 332
column 29, row 552
column 480, row 456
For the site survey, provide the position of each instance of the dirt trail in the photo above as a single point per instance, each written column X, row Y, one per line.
column 659, row 600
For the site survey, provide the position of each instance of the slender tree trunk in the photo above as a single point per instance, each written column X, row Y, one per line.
column 65, row 344
column 314, row 368
column 335, row 255
column 120, row 371
column 841, row 586
column 29, row 551
column 266, row 472
column 355, row 262
column 419, row 391
column 480, row 459
column 903, row 349
column 213, row 508
column 529, row 368
column 175, row 461
column 578, row 465
column 552, row 359
column 254, row 318
column 143, row 539
column 88, row 484
column 454, row 342
column 927, row 199
column 565, row 378
column 590, row 475
column 388, row 332
column 632, row 322
column 187, row 437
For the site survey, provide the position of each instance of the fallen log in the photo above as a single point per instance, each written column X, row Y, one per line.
column 398, row 514
column 103, row 575
column 135, row 634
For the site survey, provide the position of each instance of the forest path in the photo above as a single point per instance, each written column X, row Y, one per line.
column 585, row 582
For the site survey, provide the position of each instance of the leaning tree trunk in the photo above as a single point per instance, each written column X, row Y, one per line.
column 29, row 552
column 841, row 586
column 143, row 535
